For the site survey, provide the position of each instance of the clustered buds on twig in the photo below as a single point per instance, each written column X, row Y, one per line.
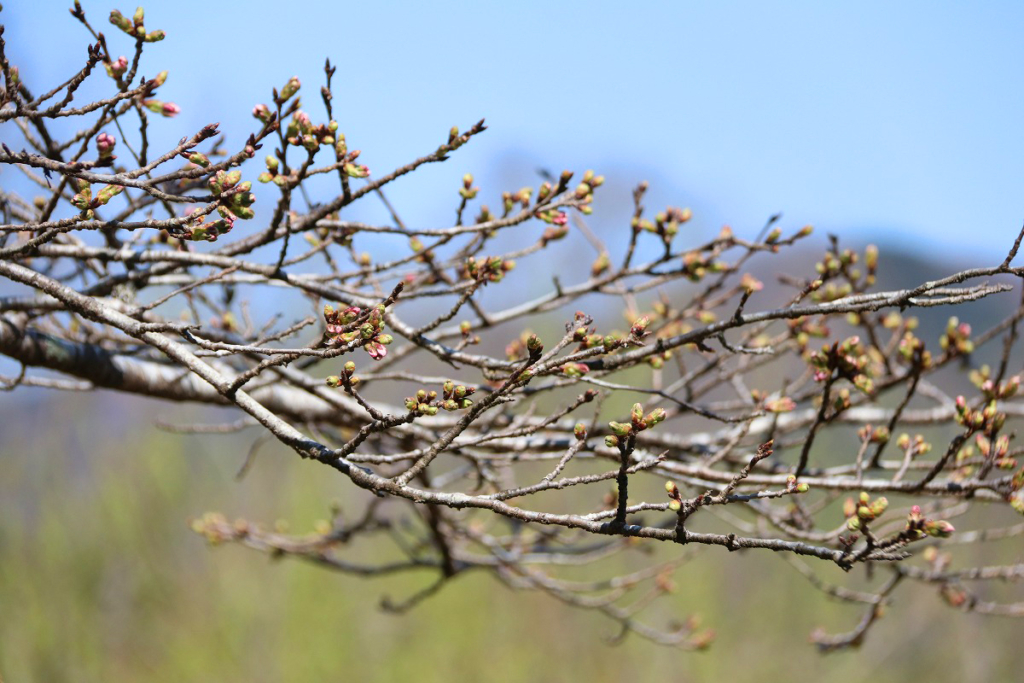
column 198, row 230
column 873, row 434
column 453, row 397
column 675, row 498
column 116, row 68
column 347, row 377
column 134, row 27
column 236, row 198
column 85, row 200
column 351, row 325
column 467, row 191
column 666, row 223
column 987, row 419
column 848, row 360
column 920, row 526
column 638, row 422
column 105, row 146
column 864, row 510
column 486, row 269
column 793, row 486
column 957, row 338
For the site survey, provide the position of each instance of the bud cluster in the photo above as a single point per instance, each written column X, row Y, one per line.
column 522, row 197
column 996, row 450
column 873, row 434
column 913, row 446
column 453, row 397
column 467, row 191
column 793, row 486
column 637, row 423
column 957, row 338
column 833, row 263
column 584, row 192
column 805, row 328
column 198, row 230
column 864, row 510
column 85, row 200
column 988, row 419
column 105, row 146
column 347, row 377
column 342, row 328
column 696, row 264
column 919, row 527
column 235, row 197
column 135, row 26
column 454, row 141
column 116, row 68
column 638, row 330
column 675, row 498
column 911, row 350
column 487, row 269
column 849, row 359
column 586, row 336
column 666, row 223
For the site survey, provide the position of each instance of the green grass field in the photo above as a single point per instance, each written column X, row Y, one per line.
column 102, row 580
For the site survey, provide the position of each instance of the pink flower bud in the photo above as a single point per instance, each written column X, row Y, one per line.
column 105, row 145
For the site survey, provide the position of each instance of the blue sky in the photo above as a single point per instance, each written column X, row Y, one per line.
column 871, row 120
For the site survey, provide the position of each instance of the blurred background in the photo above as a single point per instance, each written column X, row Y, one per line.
column 897, row 124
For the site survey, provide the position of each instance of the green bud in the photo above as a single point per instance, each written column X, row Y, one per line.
column 290, row 88
column 620, row 428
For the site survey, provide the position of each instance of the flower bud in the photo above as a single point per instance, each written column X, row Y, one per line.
column 534, row 345
column 122, row 22
column 289, row 89
column 939, row 528
column 656, row 416
column 261, row 112
column 639, row 327
column 108, row 193
column 620, row 428
column 356, row 171
column 105, row 145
